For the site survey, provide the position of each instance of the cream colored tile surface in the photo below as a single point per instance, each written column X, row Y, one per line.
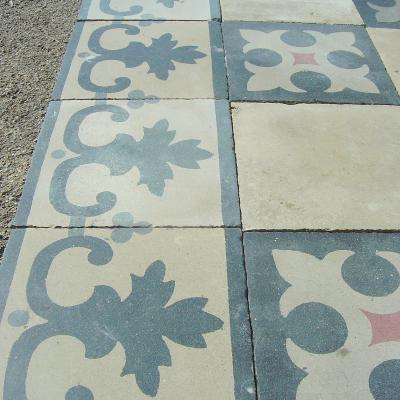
column 148, row 9
column 387, row 42
column 158, row 162
column 195, row 265
column 313, row 11
column 119, row 61
column 318, row 166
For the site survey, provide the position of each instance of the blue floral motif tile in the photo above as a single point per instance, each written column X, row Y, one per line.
column 380, row 13
column 167, row 59
column 133, row 163
column 305, row 63
column 325, row 312
column 149, row 10
column 163, row 315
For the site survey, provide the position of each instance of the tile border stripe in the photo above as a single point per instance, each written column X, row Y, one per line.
column 67, row 61
column 227, row 165
column 242, row 353
column 32, row 177
column 219, row 71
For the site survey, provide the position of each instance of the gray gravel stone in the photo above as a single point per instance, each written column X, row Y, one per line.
column 33, row 37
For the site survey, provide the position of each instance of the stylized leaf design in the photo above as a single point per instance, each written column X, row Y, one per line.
column 163, row 51
column 139, row 324
column 156, row 151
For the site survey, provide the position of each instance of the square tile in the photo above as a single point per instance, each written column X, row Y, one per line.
column 149, row 9
column 307, row 63
column 325, row 314
column 318, row 166
column 380, row 13
column 163, row 315
column 387, row 43
column 168, row 59
column 133, row 163
column 312, row 11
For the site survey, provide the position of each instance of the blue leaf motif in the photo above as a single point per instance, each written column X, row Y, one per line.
column 139, row 323
column 163, row 51
column 159, row 152
column 159, row 56
column 152, row 155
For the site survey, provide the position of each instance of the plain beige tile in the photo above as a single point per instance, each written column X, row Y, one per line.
column 312, row 11
column 387, row 42
column 318, row 166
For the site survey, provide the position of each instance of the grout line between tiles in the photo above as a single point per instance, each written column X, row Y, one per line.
column 218, row 20
column 252, row 338
column 263, row 101
column 301, row 230
column 124, row 227
column 156, row 20
column 324, row 230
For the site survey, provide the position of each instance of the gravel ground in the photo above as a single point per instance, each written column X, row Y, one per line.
column 33, row 37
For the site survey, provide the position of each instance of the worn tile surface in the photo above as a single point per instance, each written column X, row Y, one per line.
column 387, row 41
column 325, row 314
column 318, row 166
column 130, row 163
column 150, row 9
column 380, row 13
column 313, row 11
column 308, row 63
column 166, row 59
column 95, row 319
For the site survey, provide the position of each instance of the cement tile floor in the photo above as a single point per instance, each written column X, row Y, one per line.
column 211, row 209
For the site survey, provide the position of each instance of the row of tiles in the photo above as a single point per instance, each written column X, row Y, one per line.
column 137, row 163
column 166, row 314
column 265, row 62
column 374, row 13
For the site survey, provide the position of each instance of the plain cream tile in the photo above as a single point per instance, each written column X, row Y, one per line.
column 387, row 42
column 312, row 11
column 318, row 166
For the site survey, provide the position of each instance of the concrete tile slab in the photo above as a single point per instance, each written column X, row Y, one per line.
column 133, row 163
column 317, row 166
column 168, row 59
column 380, row 13
column 307, row 63
column 387, row 42
column 325, row 314
column 149, row 10
column 163, row 315
column 311, row 11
